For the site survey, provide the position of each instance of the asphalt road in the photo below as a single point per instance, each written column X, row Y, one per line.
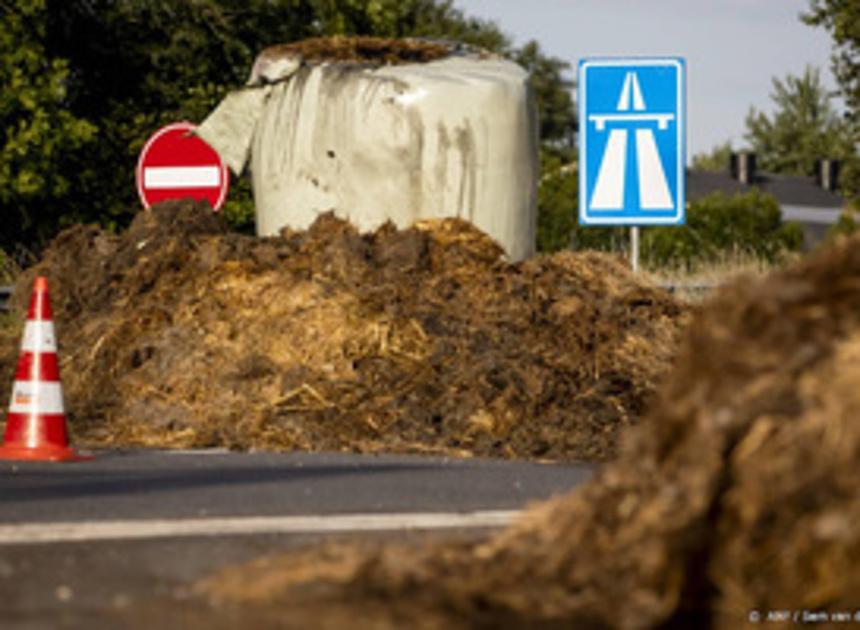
column 148, row 485
column 116, row 542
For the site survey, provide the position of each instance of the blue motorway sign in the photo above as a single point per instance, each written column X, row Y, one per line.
column 632, row 141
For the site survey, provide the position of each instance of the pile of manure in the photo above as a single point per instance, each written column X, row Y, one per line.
column 737, row 496
column 179, row 333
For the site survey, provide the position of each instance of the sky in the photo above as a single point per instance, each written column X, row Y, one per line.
column 733, row 48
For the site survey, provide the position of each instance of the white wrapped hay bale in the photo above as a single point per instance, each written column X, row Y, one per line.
column 453, row 134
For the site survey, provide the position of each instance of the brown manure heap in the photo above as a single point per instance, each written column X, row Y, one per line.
column 179, row 333
column 363, row 50
column 739, row 493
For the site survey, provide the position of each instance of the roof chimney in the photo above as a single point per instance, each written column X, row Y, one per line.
column 827, row 174
column 743, row 167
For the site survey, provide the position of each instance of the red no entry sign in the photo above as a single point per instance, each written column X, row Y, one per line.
column 176, row 164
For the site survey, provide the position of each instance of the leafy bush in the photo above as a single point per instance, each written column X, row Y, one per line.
column 238, row 210
column 847, row 224
column 717, row 226
column 41, row 142
column 749, row 224
column 557, row 195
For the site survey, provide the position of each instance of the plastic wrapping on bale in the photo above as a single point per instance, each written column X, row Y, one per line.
column 454, row 136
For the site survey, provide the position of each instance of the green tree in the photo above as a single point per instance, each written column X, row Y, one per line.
column 557, row 188
column 716, row 160
column 137, row 64
column 842, row 19
column 405, row 18
column 41, row 141
column 106, row 73
column 803, row 129
column 553, row 92
column 557, row 203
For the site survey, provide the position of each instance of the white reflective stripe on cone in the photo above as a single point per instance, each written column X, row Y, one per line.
column 37, row 397
column 39, row 337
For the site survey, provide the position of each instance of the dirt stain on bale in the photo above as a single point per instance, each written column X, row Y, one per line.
column 738, row 493
column 179, row 333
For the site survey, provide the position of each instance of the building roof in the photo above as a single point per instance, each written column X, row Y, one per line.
column 789, row 190
column 703, row 183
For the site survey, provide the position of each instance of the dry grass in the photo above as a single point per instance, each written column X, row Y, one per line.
column 696, row 284
column 721, row 271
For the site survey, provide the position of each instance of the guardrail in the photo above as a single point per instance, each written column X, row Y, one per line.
column 5, row 294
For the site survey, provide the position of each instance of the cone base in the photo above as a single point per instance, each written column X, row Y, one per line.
column 42, row 454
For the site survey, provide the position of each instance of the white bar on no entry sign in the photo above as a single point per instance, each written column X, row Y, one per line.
column 155, row 177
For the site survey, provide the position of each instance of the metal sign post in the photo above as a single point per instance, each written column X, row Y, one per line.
column 634, row 248
column 632, row 122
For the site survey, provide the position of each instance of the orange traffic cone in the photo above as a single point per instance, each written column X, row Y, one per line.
column 36, row 423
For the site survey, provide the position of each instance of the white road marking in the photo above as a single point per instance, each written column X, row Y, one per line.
column 195, row 451
column 155, row 177
column 42, row 533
